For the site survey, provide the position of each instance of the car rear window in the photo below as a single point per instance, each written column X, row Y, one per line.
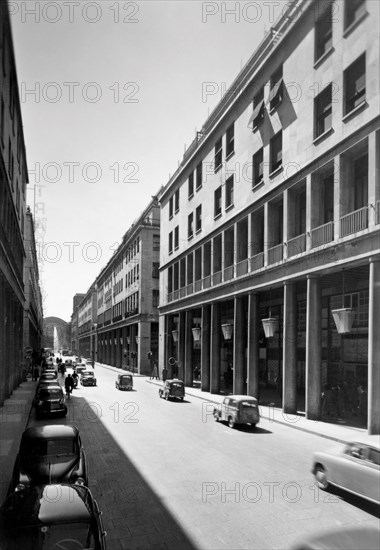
column 52, row 392
column 252, row 404
column 49, row 447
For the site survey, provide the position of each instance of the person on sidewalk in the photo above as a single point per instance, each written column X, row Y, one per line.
column 155, row 371
column 69, row 385
column 164, row 374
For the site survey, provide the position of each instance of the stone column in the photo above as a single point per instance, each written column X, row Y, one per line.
column 313, row 348
column 188, row 360
column 253, row 351
column 289, row 347
column 215, row 348
column 374, row 347
column 205, row 348
column 239, row 346
column 181, row 345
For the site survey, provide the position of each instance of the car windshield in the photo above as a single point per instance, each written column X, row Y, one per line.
column 249, row 404
column 51, row 392
column 176, row 385
column 51, row 537
column 87, row 373
column 125, row 379
column 49, row 447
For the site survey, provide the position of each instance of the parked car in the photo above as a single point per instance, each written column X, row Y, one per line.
column 354, row 467
column 51, row 517
column 238, row 409
column 88, row 378
column 49, row 454
column 50, row 401
column 172, row 389
column 79, row 369
column 47, row 377
column 124, row 381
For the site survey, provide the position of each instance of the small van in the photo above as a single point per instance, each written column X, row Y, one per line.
column 124, row 381
column 238, row 409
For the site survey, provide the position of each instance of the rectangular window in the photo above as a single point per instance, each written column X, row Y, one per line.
column 170, row 242
column 155, row 298
column 155, row 270
column 170, row 208
column 258, row 167
column 176, row 196
column 230, row 140
column 198, row 218
column 218, row 154
column 354, row 85
column 176, row 237
column 323, row 33
column 199, row 176
column 276, row 89
column 276, row 152
column 218, row 202
column 191, row 185
column 156, row 243
column 258, row 109
column 323, row 111
column 229, row 192
column 354, row 9
column 190, row 226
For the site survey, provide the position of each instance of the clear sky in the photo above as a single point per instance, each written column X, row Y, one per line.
column 111, row 92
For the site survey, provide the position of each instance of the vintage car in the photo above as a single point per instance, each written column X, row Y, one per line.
column 354, row 467
column 238, row 409
column 87, row 378
column 51, row 517
column 80, row 368
column 50, row 401
column 172, row 389
column 49, row 454
column 47, row 377
column 124, row 381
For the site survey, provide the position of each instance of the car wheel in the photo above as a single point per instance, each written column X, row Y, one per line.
column 321, row 477
column 181, row 398
column 231, row 423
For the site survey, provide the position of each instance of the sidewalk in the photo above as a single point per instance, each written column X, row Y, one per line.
column 333, row 431
column 14, row 417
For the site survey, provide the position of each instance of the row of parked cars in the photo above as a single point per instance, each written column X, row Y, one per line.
column 49, row 505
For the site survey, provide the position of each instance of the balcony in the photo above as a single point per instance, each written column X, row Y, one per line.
column 198, row 285
column 257, row 261
column 275, row 254
column 229, row 272
column 182, row 292
column 217, row 278
column 322, row 235
column 207, row 281
column 242, row 268
column 189, row 289
column 354, row 222
column 297, row 245
column 175, row 294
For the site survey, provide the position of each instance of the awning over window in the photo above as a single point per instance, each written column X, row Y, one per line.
column 257, row 115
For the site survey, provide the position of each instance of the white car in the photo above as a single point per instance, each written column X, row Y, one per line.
column 354, row 467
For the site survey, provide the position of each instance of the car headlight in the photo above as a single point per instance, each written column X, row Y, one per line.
column 40, row 403
column 79, row 481
column 20, row 487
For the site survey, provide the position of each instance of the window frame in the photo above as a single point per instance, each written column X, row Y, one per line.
column 190, row 185
column 190, row 225
column 323, row 37
column 218, row 199
column 198, row 219
column 278, row 164
column 353, row 83
column 323, row 111
column 230, row 140
column 218, row 154
column 258, row 153
column 229, row 194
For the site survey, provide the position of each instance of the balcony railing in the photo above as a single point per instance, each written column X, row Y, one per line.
column 377, row 212
column 257, row 261
column 216, row 277
column 354, row 221
column 297, row 245
column 322, row 234
column 189, row 289
column 242, row 268
column 207, row 281
column 198, row 285
column 182, row 292
column 175, row 294
column 228, row 272
column 275, row 254
column 170, row 299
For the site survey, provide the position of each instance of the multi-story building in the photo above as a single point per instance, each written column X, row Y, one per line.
column 128, row 295
column 87, row 321
column 74, row 336
column 33, row 314
column 13, row 181
column 270, row 227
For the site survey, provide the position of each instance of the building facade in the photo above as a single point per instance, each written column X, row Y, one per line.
column 270, row 227
column 87, row 322
column 74, row 324
column 13, row 181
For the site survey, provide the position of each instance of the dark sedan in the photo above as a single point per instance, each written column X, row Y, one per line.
column 88, row 378
column 50, row 401
column 51, row 517
column 49, row 454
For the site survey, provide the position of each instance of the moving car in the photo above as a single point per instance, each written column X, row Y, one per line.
column 354, row 467
column 51, row 517
column 80, row 368
column 88, row 378
column 124, row 381
column 50, row 401
column 174, row 388
column 49, row 454
column 238, row 409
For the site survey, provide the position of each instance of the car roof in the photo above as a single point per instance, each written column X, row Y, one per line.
column 175, row 380
column 50, row 431
column 127, row 372
column 44, row 504
column 241, row 397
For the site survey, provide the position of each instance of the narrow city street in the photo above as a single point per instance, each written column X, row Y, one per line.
column 166, row 475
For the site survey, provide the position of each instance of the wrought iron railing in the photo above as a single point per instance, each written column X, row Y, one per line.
column 322, row 234
column 276, row 253
column 297, row 245
column 354, row 221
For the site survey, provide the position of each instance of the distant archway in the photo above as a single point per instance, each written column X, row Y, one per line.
column 63, row 333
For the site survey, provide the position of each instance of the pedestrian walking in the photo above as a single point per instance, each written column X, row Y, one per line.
column 155, row 371
column 164, row 374
column 363, row 402
column 69, row 385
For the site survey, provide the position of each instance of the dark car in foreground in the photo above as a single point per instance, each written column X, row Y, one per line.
column 51, row 517
column 87, row 378
column 50, row 401
column 172, row 389
column 49, row 454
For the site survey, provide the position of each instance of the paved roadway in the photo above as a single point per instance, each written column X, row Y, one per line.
column 167, row 476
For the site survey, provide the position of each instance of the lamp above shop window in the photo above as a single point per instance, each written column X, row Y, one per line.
column 137, row 338
column 343, row 317
column 175, row 335
column 196, row 334
column 227, row 330
column 270, row 323
column 128, row 340
column 121, row 340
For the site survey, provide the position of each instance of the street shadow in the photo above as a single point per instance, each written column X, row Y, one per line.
column 250, row 429
column 134, row 516
column 365, row 505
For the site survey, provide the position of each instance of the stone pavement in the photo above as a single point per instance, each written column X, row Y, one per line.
column 15, row 413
